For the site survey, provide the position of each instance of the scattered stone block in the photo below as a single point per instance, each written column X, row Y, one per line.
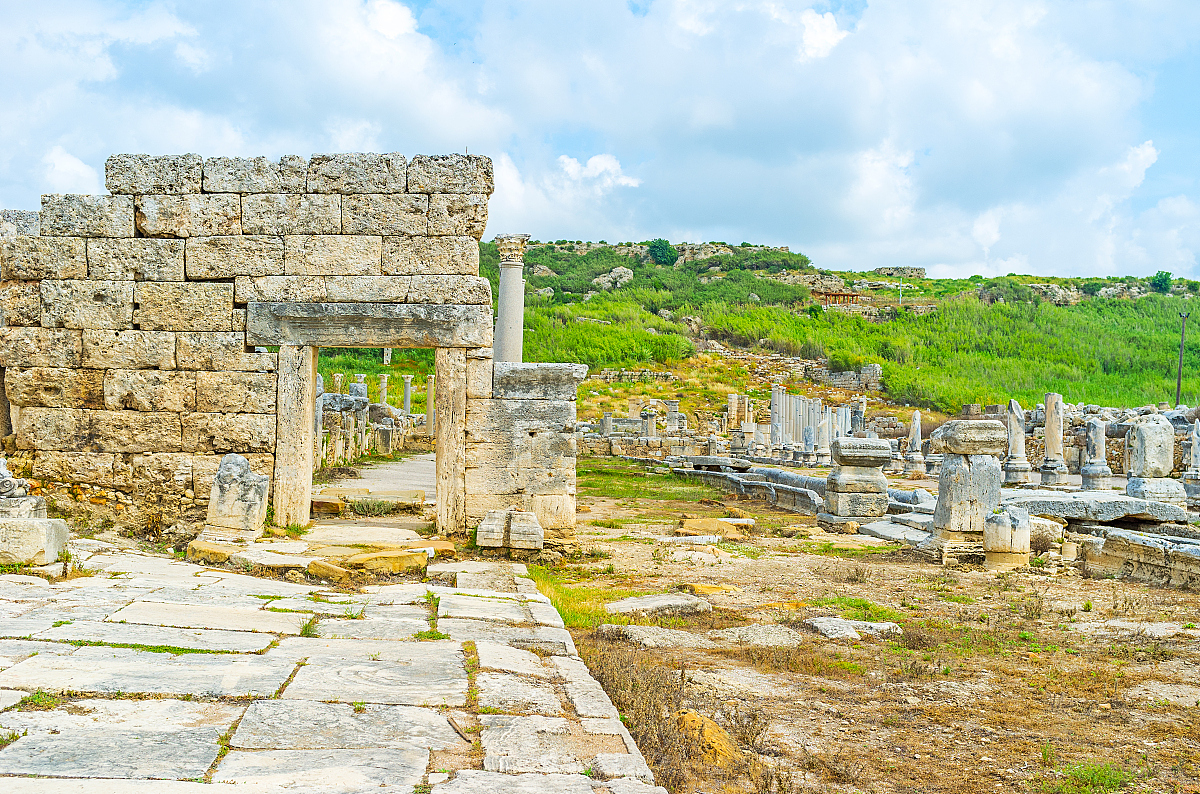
column 1006, row 539
column 654, row 637
column 237, row 502
column 511, row 529
column 32, row 541
column 665, row 604
column 768, row 634
column 390, row 562
column 323, row 569
column 969, row 437
column 842, row 629
column 207, row 553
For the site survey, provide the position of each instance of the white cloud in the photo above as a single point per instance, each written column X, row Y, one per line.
column 66, row 173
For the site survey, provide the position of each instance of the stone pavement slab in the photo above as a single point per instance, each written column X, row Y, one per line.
column 505, row 659
column 325, row 771
column 542, row 638
column 361, row 533
column 207, row 616
column 10, row 698
column 117, row 738
column 108, row 670
column 312, row 725
column 372, row 628
column 584, row 692
column 29, row 785
column 512, row 694
column 413, row 674
column 396, row 593
column 471, row 781
column 459, row 606
column 23, row 627
column 540, row 744
column 660, row 604
column 134, row 634
column 13, row 651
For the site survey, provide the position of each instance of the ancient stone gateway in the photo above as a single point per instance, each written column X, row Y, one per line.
column 151, row 331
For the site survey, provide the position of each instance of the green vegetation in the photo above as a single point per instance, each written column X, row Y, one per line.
column 860, row 609
column 1090, row 778
column 619, row 479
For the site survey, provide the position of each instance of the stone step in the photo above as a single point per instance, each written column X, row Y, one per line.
column 914, row 520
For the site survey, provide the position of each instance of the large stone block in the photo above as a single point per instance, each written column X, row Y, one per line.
column 160, row 473
column 32, row 541
column 255, row 175
column 357, row 173
column 289, row 213
column 39, row 347
column 458, row 214
column 856, row 479
column 204, row 470
column 183, row 306
column 235, row 392
column 1157, row 489
column 212, row 432
column 1151, row 444
column 393, row 213
column 92, row 468
column 220, row 352
column 149, row 390
column 450, row 289
column 20, row 303
column 134, row 431
column 238, row 498
column 52, row 387
column 332, row 255
column 526, row 478
column 102, row 431
column 849, row 451
column 226, row 257
column 189, row 215
column 368, row 325
column 72, row 215
column 107, row 349
column 36, row 258
column 430, row 255
column 135, row 258
column 15, row 222
column 87, row 304
column 143, row 173
column 450, row 173
column 515, row 381
column 367, row 289
column 287, row 289
column 865, row 505
column 970, row 437
column 968, row 492
column 479, row 373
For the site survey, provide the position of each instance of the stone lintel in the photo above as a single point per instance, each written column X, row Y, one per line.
column 369, row 324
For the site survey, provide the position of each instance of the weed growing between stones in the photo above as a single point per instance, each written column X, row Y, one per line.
column 373, row 507
column 9, row 737
column 311, row 627
column 432, row 632
column 41, row 700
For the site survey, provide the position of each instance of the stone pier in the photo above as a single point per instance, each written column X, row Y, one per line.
column 1017, row 470
column 1054, row 468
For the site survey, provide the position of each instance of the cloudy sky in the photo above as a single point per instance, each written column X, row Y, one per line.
column 967, row 136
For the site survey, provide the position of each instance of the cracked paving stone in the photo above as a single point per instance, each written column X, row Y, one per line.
column 312, row 725
column 460, row 606
column 542, row 638
column 325, row 771
column 539, row 744
column 511, row 693
column 506, row 659
column 136, row 634
column 168, row 739
column 107, row 670
column 203, row 616
column 472, row 781
column 413, row 674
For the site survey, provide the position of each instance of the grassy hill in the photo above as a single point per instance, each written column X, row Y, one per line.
column 1112, row 351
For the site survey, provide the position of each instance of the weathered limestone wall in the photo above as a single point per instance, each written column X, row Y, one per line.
column 130, row 320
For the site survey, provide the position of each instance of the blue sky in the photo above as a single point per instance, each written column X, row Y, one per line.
column 989, row 136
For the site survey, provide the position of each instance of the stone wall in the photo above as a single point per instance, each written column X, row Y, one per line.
column 136, row 324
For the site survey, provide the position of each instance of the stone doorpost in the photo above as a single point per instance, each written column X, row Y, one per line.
column 295, row 416
column 450, row 368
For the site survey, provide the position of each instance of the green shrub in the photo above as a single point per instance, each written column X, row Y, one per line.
column 1161, row 282
column 662, row 252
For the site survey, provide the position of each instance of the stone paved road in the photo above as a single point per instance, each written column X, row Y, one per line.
column 169, row 677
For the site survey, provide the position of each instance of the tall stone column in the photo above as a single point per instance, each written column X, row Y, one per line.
column 1016, row 466
column 450, row 457
column 606, row 424
column 508, row 341
column 776, row 415
column 823, row 438
column 383, row 390
column 387, row 356
column 295, row 416
column 407, row 393
column 731, row 409
column 914, row 461
column 430, row 410
column 1191, row 475
column 1054, row 468
column 1095, row 471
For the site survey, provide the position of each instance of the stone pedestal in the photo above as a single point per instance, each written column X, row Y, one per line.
column 606, row 424
column 1006, row 539
column 968, row 487
column 855, row 490
column 383, row 388
column 1157, row 489
column 1151, row 444
column 237, row 504
column 1095, row 471
column 914, row 461
column 32, row 541
column 933, row 465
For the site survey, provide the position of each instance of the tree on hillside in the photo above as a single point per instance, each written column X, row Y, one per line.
column 1161, row 282
column 662, row 252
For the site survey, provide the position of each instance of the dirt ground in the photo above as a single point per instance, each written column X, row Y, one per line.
column 1015, row 682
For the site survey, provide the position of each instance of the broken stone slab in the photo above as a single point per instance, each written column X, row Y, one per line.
column 922, row 521
column 456, row 606
column 842, row 629
column 1151, row 444
column 10, row 698
column 338, row 770
column 689, row 540
column 769, row 634
column 359, row 533
column 607, row 766
column 586, row 695
column 238, row 499
column 192, row 616
column 117, row 739
column 528, row 744
column 654, row 636
column 1093, row 506
column 134, row 634
column 415, row 674
column 108, row 670
column 252, row 558
column 546, row 639
column 32, row 541
column 511, row 529
column 1157, row 489
column 662, row 604
column 508, row 693
column 313, row 725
